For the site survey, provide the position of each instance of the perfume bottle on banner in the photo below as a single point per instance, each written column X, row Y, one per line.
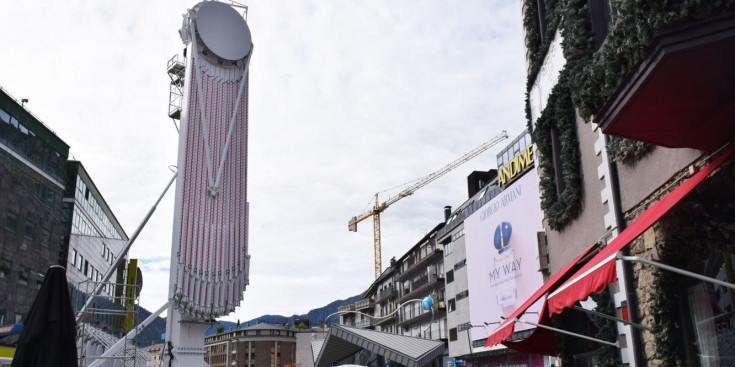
column 504, row 262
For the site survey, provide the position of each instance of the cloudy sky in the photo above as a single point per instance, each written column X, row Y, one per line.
column 348, row 98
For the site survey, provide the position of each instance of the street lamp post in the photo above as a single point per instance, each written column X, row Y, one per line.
column 468, row 326
column 469, row 342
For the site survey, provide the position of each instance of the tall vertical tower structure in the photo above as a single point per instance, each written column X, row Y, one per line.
column 209, row 256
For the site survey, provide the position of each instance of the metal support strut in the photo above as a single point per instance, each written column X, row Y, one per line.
column 677, row 270
column 568, row 333
column 121, row 255
column 604, row 316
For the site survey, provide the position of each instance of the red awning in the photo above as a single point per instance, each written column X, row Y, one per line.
column 594, row 276
column 541, row 340
column 567, row 288
column 506, row 328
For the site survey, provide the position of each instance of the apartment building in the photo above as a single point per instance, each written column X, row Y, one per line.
column 392, row 303
column 260, row 345
column 376, row 309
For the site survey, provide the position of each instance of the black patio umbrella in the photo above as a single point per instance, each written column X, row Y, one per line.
column 49, row 332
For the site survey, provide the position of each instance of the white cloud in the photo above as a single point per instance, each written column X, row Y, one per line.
column 348, row 98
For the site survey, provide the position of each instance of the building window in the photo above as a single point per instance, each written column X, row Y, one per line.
column 599, row 13
column 5, row 266
column 45, row 238
column 542, row 21
column 450, row 276
column 11, row 221
column 453, row 334
column 460, row 264
column 23, row 275
column 73, row 258
column 4, row 116
column 30, row 230
column 556, row 159
column 18, row 318
column 448, row 249
column 457, row 235
column 451, row 305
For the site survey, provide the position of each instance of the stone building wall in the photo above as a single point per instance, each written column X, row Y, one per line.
column 700, row 227
column 645, row 247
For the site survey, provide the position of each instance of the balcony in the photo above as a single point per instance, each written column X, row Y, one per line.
column 387, row 294
column 348, row 323
column 365, row 323
column 385, row 321
column 421, row 318
column 419, row 282
column 364, row 304
column 682, row 94
column 346, row 307
column 422, row 287
column 420, row 264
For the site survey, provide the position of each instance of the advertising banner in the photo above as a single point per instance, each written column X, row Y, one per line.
column 502, row 253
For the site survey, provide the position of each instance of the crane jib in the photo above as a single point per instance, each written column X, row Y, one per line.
column 375, row 213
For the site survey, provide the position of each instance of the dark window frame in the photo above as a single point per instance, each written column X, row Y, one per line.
column 11, row 221
column 29, row 230
column 24, row 276
column 6, row 274
column 45, row 240
column 600, row 18
column 453, row 334
column 557, row 161
column 460, row 264
column 450, row 276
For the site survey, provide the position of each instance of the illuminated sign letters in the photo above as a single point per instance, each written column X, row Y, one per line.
column 518, row 165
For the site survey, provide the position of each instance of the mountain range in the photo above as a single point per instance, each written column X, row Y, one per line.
column 316, row 317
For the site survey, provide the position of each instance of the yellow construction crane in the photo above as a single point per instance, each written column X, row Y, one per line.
column 421, row 182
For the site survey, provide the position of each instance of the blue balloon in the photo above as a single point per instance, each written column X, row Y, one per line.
column 426, row 303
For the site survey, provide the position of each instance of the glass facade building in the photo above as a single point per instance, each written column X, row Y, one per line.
column 32, row 216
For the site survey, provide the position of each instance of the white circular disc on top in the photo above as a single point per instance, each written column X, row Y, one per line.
column 223, row 30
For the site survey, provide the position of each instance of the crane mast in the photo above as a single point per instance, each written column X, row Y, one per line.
column 421, row 182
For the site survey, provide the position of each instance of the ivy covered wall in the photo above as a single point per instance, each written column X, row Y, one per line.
column 697, row 235
column 590, row 76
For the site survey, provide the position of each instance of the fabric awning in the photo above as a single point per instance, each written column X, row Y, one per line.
column 594, row 276
column 566, row 287
column 506, row 328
